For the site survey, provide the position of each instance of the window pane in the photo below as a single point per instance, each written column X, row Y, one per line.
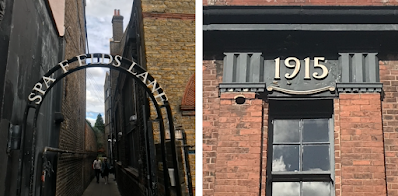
column 316, row 189
column 286, row 131
column 315, row 130
column 285, row 158
column 285, row 189
column 316, row 158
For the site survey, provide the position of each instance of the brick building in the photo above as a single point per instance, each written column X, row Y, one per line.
column 160, row 37
column 299, row 98
column 35, row 37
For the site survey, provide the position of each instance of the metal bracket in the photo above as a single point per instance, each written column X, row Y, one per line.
column 14, row 137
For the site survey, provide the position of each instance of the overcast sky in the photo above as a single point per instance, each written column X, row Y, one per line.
column 99, row 30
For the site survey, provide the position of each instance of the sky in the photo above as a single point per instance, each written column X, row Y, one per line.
column 99, row 30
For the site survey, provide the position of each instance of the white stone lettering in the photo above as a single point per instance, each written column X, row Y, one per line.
column 160, row 96
column 34, row 98
column 80, row 60
column 143, row 76
column 131, row 68
column 63, row 66
column 117, row 59
column 38, row 87
column 110, row 59
column 47, row 81
column 92, row 58
column 153, row 83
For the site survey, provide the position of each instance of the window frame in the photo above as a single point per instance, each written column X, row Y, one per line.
column 301, row 176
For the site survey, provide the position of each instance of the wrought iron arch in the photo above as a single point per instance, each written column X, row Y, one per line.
column 132, row 69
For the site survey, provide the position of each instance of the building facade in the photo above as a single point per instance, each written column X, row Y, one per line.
column 35, row 37
column 299, row 98
column 160, row 38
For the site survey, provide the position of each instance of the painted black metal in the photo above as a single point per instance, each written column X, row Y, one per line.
column 2, row 9
column 300, row 27
column 14, row 138
column 187, row 166
column 30, row 104
column 299, row 14
column 173, row 150
column 58, row 117
column 152, row 179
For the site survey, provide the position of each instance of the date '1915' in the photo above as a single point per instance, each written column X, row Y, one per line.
column 296, row 67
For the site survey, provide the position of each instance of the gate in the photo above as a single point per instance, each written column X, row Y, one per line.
column 143, row 78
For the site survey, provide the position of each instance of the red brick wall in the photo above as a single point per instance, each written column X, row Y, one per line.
column 300, row 2
column 361, row 145
column 231, row 139
column 337, row 149
column 389, row 76
column 211, row 106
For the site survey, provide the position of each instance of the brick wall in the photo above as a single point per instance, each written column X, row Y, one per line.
column 358, row 139
column 337, row 147
column 90, row 142
column 169, row 36
column 211, row 110
column 300, row 2
column 361, row 145
column 71, row 168
column 231, row 139
column 389, row 76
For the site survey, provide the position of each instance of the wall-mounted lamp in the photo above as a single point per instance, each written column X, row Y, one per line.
column 120, row 133
column 133, row 119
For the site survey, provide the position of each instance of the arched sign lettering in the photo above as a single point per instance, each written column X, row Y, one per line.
column 131, row 68
column 96, row 60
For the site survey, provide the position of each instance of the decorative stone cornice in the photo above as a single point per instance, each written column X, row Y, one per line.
column 359, row 87
column 242, row 87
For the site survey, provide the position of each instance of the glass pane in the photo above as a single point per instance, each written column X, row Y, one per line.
column 316, row 158
column 285, row 189
column 316, row 189
column 285, row 158
column 315, row 130
column 286, row 131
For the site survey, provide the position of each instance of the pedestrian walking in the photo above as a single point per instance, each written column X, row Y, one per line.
column 97, row 166
column 105, row 170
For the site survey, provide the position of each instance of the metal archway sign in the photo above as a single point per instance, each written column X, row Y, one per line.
column 132, row 69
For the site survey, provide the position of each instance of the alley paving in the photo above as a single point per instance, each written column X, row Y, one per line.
column 102, row 189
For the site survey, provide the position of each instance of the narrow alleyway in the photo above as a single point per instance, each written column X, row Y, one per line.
column 102, row 189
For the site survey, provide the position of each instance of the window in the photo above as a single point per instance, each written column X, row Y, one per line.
column 301, row 153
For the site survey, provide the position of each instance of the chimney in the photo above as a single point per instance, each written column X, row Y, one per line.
column 117, row 25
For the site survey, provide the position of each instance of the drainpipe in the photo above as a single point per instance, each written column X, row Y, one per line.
column 261, row 149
